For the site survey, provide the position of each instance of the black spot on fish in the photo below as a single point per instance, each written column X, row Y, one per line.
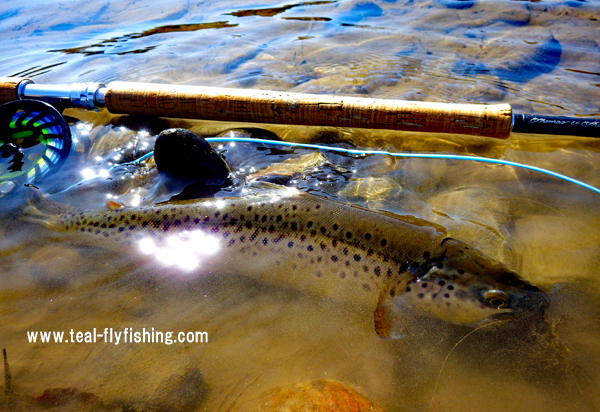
column 383, row 242
column 103, row 226
column 366, row 287
column 231, row 242
column 248, row 225
column 407, row 289
column 440, row 265
column 334, row 243
column 217, row 214
column 278, row 238
column 177, row 223
column 96, row 224
column 370, row 252
column 334, row 258
column 294, row 207
column 121, row 229
column 317, row 206
column 256, row 217
column 112, row 226
column 319, row 258
column 424, row 284
column 335, row 226
column 225, row 216
column 242, row 238
column 253, row 236
column 249, row 208
column 348, row 235
column 215, row 229
column 165, row 217
column 242, row 218
column 434, row 296
column 323, row 230
column 206, row 219
column 460, row 271
column 347, row 263
column 265, row 241
column 133, row 217
column 323, row 246
column 84, row 221
column 446, row 295
column 357, row 258
column 368, row 236
column 420, row 296
column 403, row 268
column 441, row 282
column 187, row 219
column 313, row 232
column 233, row 221
column 343, row 275
column 291, row 244
column 105, row 234
column 302, row 238
column 82, row 229
column 377, row 271
column 196, row 221
column 225, row 234
column 345, row 251
column 389, row 273
column 393, row 291
column 426, row 254
column 310, row 248
column 450, row 287
column 132, row 227
column 365, row 268
column 294, row 226
column 271, row 229
column 309, row 224
column 264, row 218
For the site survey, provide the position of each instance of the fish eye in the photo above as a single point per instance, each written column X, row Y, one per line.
column 496, row 299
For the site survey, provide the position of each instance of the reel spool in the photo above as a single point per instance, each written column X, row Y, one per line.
column 34, row 141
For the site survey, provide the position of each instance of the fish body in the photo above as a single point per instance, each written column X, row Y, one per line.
column 290, row 238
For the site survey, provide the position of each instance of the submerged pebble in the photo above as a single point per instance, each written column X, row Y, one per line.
column 318, row 395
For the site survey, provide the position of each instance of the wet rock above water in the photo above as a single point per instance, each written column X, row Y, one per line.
column 184, row 154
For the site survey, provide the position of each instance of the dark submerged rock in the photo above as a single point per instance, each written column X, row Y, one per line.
column 186, row 155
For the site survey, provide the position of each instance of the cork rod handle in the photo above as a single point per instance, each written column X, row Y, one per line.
column 241, row 105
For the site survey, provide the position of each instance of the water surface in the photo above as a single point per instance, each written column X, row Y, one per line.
column 539, row 56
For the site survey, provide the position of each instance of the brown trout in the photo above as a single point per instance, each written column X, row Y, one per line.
column 287, row 237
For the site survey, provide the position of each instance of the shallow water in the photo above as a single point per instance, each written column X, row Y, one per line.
column 539, row 56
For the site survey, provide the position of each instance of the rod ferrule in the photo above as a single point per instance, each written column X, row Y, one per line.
column 84, row 95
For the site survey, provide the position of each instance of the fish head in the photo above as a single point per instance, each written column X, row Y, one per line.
column 466, row 287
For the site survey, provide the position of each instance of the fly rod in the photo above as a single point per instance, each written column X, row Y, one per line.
column 259, row 106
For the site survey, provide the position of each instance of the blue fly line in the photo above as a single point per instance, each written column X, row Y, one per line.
column 394, row 154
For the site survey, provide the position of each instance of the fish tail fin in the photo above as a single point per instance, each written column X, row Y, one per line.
column 43, row 210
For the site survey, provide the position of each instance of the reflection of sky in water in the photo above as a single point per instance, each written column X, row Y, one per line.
column 184, row 250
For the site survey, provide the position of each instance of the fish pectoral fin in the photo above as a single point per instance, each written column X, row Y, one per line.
column 383, row 325
column 389, row 322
